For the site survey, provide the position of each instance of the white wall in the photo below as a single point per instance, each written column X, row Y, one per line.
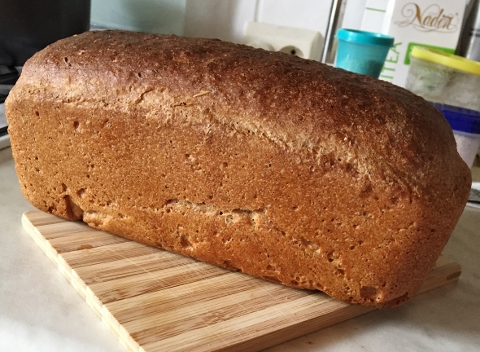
column 155, row 16
column 223, row 19
column 218, row 18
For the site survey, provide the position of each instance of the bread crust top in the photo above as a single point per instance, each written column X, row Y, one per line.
column 280, row 97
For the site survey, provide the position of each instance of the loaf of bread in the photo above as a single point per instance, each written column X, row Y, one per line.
column 279, row 167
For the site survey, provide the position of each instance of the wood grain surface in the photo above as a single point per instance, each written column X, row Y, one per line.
column 154, row 300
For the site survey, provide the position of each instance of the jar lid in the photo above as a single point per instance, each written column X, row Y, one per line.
column 446, row 59
column 460, row 119
column 363, row 37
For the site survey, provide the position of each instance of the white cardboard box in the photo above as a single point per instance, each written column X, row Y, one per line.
column 430, row 23
column 374, row 15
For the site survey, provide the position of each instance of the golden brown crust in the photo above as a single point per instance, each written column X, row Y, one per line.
column 279, row 167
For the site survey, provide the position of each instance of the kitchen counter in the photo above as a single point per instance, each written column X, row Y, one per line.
column 41, row 311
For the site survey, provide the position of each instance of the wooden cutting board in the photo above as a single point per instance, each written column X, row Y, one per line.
column 154, row 300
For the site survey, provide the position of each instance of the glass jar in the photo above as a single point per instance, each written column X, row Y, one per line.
column 444, row 78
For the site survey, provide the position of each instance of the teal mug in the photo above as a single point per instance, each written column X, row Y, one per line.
column 362, row 52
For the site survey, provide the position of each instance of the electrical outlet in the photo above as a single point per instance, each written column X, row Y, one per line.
column 303, row 43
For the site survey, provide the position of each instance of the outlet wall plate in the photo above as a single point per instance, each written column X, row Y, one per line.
column 303, row 43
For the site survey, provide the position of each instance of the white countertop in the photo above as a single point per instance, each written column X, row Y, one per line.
column 41, row 311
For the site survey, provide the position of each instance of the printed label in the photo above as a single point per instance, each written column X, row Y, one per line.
column 432, row 18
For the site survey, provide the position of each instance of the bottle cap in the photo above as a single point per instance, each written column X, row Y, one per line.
column 363, row 37
column 446, row 59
